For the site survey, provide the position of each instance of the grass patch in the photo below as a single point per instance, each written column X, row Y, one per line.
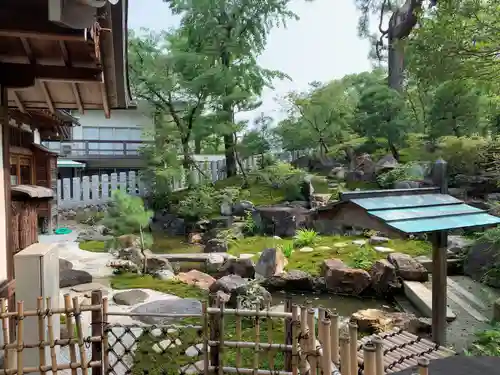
column 93, row 246
column 163, row 244
column 352, row 255
column 177, row 288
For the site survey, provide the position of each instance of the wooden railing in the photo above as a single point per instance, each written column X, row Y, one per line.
column 95, row 148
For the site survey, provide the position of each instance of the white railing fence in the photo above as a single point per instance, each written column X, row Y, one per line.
column 83, row 191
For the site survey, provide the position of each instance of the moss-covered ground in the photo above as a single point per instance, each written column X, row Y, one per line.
column 93, row 246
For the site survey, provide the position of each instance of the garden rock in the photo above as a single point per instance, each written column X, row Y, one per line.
column 458, row 244
column 307, row 188
column 243, row 267
column 303, row 204
column 481, row 258
column 382, row 249
column 387, row 163
column 234, row 286
column 241, row 208
column 130, row 297
column 166, row 306
column 65, row 264
column 169, row 223
column 124, row 266
column 154, row 263
column 221, row 222
column 365, row 164
column 127, row 241
column 293, row 280
column 383, row 275
column 496, row 310
column 226, row 209
column 306, row 249
column 408, row 268
column 376, row 321
column 319, row 200
column 71, row 277
column 165, row 275
column 271, row 262
column 341, row 279
column 91, row 234
column 407, row 184
column 227, row 284
column 214, row 262
column 215, row 245
column 281, row 221
column 338, row 172
column 250, row 292
column 195, row 238
column 378, row 240
column 196, row 278
column 359, row 242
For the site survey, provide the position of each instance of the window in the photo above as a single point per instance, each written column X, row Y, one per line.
column 21, row 170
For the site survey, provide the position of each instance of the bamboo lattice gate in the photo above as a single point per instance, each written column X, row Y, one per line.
column 218, row 341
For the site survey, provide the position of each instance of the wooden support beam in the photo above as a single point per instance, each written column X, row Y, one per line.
column 18, row 101
column 27, row 49
column 74, row 87
column 47, row 97
column 24, row 75
column 36, row 26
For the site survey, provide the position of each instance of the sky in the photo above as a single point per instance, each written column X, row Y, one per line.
column 323, row 45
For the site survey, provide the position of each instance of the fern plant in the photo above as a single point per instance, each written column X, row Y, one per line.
column 287, row 250
column 305, row 237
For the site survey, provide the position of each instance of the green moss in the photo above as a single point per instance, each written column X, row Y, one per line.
column 93, row 246
column 163, row 244
column 258, row 194
column 177, row 288
column 311, row 262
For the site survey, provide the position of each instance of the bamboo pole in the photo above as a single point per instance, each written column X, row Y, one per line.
column 50, row 326
column 288, row 333
column 30, row 313
column 257, row 339
column 353, row 351
column 221, row 337
column 71, row 330
column 379, row 356
column 326, row 346
column 295, row 338
column 97, row 330
column 205, row 337
column 5, row 329
column 41, row 333
column 311, row 322
column 20, row 337
column 105, row 341
column 370, row 360
column 321, row 317
column 238, row 331
column 79, row 332
column 345, row 357
column 423, row 366
column 270, row 353
column 304, row 365
column 334, row 336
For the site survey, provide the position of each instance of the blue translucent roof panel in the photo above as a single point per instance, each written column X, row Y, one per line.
column 402, row 201
column 425, row 212
column 421, row 213
column 444, row 223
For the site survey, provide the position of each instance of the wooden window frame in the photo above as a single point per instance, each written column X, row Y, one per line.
column 23, row 159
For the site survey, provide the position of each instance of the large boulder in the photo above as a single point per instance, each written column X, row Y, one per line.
column 365, row 164
column 383, row 275
column 387, row 163
column 408, row 268
column 344, row 280
column 241, row 208
column 235, row 286
column 169, row 223
column 481, row 258
column 281, row 220
column 376, row 321
column 293, row 280
column 130, row 297
column 168, row 305
column 320, row 200
column 458, row 244
column 215, row 245
column 71, row 277
column 196, row 278
column 271, row 262
column 238, row 266
column 153, row 262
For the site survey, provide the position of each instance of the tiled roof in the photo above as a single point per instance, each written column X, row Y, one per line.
column 402, row 350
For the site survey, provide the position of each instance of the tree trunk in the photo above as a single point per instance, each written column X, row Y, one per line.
column 197, row 146
column 229, row 144
column 394, row 151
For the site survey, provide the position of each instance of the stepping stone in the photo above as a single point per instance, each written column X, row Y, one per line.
column 381, row 249
column 88, row 287
column 195, row 350
column 306, row 250
column 130, row 297
column 378, row 240
column 339, row 244
column 359, row 242
column 72, row 277
column 276, row 238
column 421, row 297
column 246, row 256
column 170, row 305
column 166, row 345
column 323, row 248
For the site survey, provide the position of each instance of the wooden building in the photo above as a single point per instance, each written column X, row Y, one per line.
column 54, row 55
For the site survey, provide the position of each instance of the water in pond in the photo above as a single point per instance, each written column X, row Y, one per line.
column 344, row 305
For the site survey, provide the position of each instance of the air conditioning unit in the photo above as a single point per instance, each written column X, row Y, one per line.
column 77, row 14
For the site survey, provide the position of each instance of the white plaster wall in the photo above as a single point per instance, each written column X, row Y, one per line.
column 119, row 119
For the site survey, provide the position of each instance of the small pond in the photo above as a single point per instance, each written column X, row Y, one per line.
column 344, row 305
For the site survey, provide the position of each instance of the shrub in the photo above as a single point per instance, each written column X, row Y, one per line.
column 280, row 174
column 487, row 343
column 361, row 258
column 199, row 203
column 288, row 250
column 403, row 172
column 250, row 227
column 126, row 214
column 305, row 237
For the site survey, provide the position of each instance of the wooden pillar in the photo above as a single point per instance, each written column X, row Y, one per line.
column 440, row 244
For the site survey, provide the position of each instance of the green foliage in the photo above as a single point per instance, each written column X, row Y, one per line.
column 362, row 257
column 126, row 214
column 200, row 202
column 287, row 250
column 463, row 154
column 403, row 172
column 93, row 246
column 305, row 237
column 280, row 174
column 250, row 227
column 487, row 343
